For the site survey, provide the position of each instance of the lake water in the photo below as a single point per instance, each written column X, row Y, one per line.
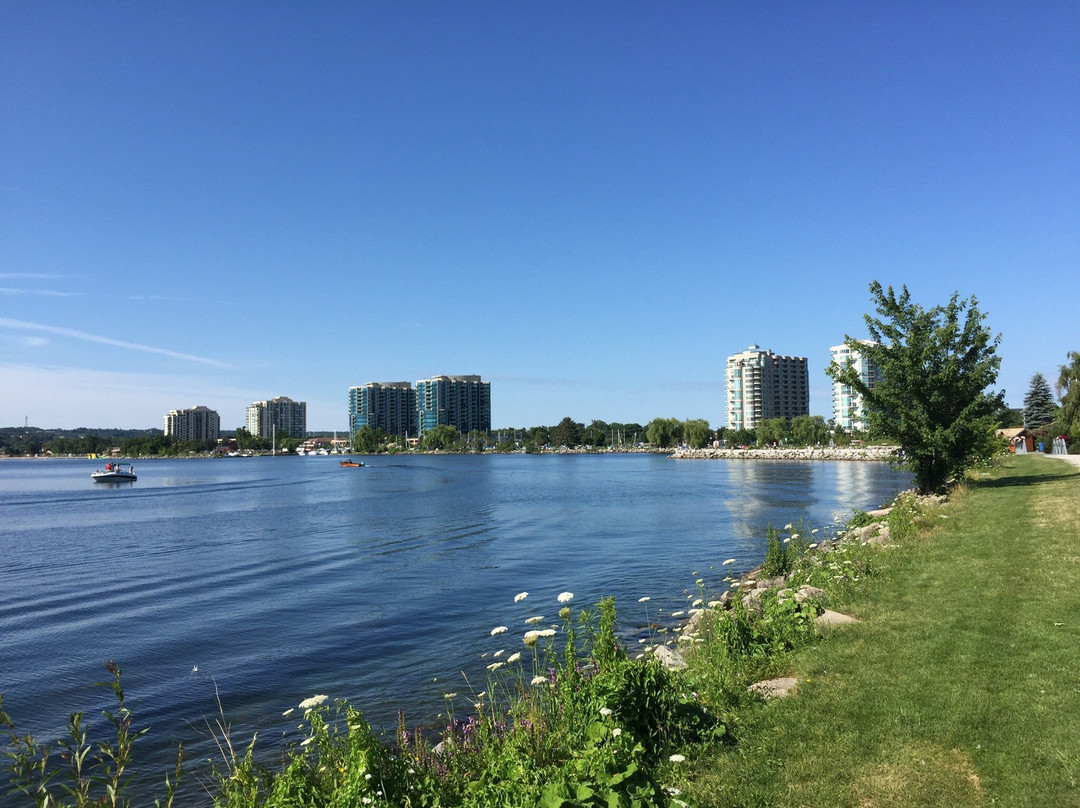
column 282, row 577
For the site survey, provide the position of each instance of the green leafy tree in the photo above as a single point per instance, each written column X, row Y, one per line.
column 596, row 434
column 1068, row 388
column 773, row 430
column 365, row 441
column 936, row 366
column 740, row 437
column 477, row 441
column 1038, row 403
column 697, row 433
column 809, row 430
column 664, row 432
column 536, row 438
column 567, row 433
column 442, row 438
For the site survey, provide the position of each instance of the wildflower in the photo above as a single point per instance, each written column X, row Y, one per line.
column 787, row 526
column 531, row 637
column 696, row 603
column 605, row 711
column 534, row 620
column 564, row 612
column 794, row 535
column 499, row 652
column 566, row 597
column 306, row 741
column 547, row 632
column 787, row 539
column 729, row 561
column 615, row 733
column 498, row 630
column 314, row 701
column 813, row 546
column 494, row 666
column 677, row 758
column 449, row 695
column 520, row 596
column 643, row 600
column 514, row 657
column 713, row 604
column 815, row 530
column 677, row 614
column 367, row 776
column 288, row 712
column 538, row 680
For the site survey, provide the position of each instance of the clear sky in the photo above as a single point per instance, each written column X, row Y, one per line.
column 591, row 205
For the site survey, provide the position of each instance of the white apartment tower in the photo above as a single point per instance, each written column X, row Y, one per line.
column 762, row 386
column 849, row 411
column 281, row 416
column 197, row 423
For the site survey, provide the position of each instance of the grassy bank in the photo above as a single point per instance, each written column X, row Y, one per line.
column 961, row 685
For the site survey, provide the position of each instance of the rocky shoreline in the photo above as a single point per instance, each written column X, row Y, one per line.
column 876, row 453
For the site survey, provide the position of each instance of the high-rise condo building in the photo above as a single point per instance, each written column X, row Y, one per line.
column 389, row 406
column 197, row 423
column 849, row 410
column 287, row 416
column 459, row 401
column 762, row 386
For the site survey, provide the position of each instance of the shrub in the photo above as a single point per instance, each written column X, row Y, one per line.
column 777, row 557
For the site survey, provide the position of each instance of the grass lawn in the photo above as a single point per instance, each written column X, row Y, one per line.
column 961, row 684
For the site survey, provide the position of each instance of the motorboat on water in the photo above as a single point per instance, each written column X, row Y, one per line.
column 115, row 473
column 350, row 464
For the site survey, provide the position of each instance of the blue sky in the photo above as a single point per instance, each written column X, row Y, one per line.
column 591, row 205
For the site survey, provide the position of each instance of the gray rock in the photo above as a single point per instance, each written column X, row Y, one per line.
column 809, row 593
column 775, row 688
column 669, row 658
column 829, row 619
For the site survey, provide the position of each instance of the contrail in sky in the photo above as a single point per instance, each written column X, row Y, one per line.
column 20, row 325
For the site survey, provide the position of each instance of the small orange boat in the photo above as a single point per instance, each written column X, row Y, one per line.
column 350, row 464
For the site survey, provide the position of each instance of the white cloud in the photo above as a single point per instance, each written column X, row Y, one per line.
column 7, row 290
column 20, row 325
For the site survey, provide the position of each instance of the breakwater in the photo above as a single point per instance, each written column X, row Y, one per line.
column 876, row 453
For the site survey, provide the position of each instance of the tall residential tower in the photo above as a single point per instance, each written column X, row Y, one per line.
column 389, row 406
column 281, row 416
column 197, row 423
column 762, row 385
column 849, row 410
column 459, row 401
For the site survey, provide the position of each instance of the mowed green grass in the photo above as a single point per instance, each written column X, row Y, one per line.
column 961, row 685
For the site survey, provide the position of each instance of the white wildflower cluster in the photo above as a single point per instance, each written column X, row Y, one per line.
column 312, row 703
column 566, row 597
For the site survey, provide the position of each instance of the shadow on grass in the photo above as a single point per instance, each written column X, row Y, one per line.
column 1018, row 480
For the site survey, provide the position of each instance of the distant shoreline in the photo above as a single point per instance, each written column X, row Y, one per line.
column 859, row 453
column 871, row 453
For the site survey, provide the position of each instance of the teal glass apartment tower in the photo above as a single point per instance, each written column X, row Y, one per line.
column 463, row 402
column 389, row 406
column 849, row 409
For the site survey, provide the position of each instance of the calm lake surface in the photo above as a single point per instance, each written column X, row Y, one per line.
column 279, row 578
